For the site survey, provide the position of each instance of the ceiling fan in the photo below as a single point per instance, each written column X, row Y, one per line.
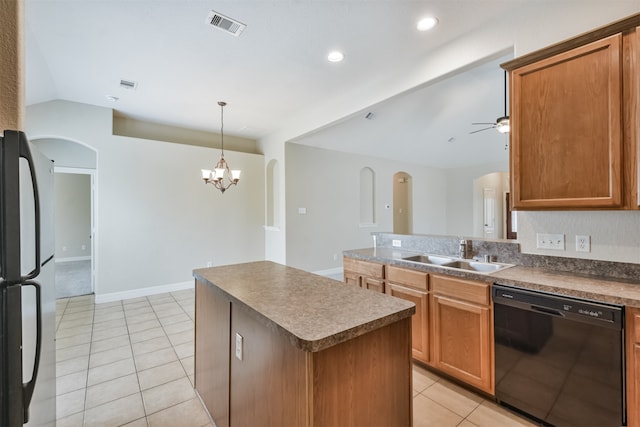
column 502, row 123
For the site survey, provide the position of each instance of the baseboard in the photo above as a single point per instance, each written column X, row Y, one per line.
column 143, row 292
column 74, row 258
column 329, row 272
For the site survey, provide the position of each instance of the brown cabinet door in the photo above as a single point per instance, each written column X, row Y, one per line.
column 419, row 321
column 351, row 278
column 566, row 129
column 633, row 411
column 373, row 284
column 462, row 341
column 632, row 321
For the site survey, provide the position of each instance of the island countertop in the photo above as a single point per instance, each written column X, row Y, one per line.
column 314, row 312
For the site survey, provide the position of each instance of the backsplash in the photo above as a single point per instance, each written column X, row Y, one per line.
column 508, row 251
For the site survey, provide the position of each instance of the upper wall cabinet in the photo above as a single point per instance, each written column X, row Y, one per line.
column 574, row 120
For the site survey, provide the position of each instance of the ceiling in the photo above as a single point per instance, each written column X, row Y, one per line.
column 431, row 124
column 80, row 50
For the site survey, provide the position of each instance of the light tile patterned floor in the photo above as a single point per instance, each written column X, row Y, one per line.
column 131, row 363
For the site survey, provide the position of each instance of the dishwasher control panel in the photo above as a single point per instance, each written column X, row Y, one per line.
column 557, row 305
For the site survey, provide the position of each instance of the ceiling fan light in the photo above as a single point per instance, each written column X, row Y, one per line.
column 503, row 125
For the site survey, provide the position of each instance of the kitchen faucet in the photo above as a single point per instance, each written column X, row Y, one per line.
column 463, row 248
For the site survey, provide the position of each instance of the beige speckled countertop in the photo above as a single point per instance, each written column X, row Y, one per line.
column 315, row 312
column 596, row 288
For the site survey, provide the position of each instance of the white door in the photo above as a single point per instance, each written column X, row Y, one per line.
column 489, row 225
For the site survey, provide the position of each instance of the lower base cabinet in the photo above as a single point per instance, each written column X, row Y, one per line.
column 412, row 286
column 632, row 320
column 364, row 274
column 462, row 331
column 452, row 328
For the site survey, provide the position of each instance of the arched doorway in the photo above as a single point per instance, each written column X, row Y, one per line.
column 75, row 225
column 402, row 203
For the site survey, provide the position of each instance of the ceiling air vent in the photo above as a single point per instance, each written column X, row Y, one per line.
column 128, row 84
column 225, row 23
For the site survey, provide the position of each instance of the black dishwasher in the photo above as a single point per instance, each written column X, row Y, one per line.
column 559, row 360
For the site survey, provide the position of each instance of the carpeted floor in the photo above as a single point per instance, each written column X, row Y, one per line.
column 73, row 278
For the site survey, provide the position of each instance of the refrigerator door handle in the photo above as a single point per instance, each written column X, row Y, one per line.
column 28, row 388
column 25, row 152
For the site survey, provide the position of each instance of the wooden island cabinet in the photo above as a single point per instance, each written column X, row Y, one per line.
column 276, row 346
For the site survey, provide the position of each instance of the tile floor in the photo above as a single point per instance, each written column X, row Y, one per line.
column 131, row 363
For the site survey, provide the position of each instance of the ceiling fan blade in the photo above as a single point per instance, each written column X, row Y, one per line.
column 483, row 123
column 480, row 130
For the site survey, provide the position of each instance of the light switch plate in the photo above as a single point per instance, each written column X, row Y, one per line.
column 550, row 241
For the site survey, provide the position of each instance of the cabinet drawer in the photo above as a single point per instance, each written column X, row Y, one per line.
column 406, row 277
column 365, row 268
column 461, row 289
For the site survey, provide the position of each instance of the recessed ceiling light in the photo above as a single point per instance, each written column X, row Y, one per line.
column 335, row 56
column 427, row 23
column 112, row 98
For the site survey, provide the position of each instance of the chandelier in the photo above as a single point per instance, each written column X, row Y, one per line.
column 221, row 177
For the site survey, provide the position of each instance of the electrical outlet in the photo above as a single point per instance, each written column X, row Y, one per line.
column 396, row 243
column 238, row 346
column 583, row 243
column 550, row 241
column 335, row 257
column 209, row 263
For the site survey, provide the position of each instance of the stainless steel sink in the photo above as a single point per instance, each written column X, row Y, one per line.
column 459, row 264
column 429, row 259
column 481, row 267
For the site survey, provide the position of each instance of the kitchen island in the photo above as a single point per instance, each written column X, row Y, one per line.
column 277, row 346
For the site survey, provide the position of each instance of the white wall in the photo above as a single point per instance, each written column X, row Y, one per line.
column 534, row 26
column 156, row 220
column 275, row 237
column 66, row 153
column 615, row 236
column 327, row 184
column 73, row 215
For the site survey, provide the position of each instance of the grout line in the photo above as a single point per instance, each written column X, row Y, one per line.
column 135, row 366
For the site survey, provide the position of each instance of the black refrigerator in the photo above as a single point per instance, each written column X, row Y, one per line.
column 27, row 294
